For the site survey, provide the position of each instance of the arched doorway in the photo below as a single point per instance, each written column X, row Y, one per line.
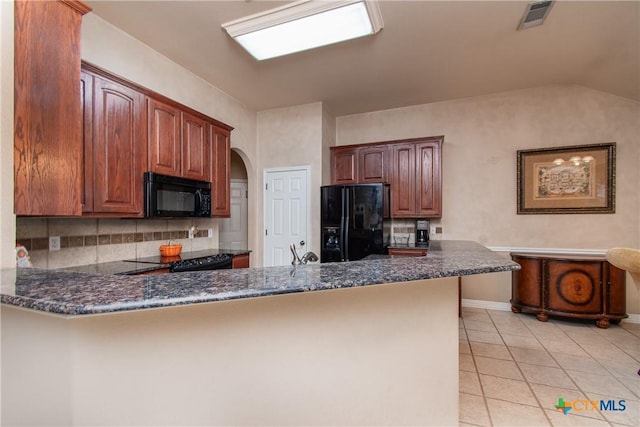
column 234, row 231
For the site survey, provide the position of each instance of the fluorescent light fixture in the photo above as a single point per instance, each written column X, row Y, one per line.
column 305, row 25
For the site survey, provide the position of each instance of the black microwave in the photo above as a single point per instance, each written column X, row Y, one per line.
column 170, row 196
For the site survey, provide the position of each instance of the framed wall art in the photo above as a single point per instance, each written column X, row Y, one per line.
column 567, row 180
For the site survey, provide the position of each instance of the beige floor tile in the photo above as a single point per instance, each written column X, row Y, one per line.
column 465, row 363
column 522, row 342
column 524, row 367
column 496, row 351
column 569, row 420
column 469, row 383
column 507, row 389
column 607, row 352
column 633, row 384
column 533, row 357
column 514, row 329
column 498, row 368
column 513, row 414
column 464, row 347
column 546, row 375
column 579, row 363
column 479, row 326
column 564, row 346
column 606, row 385
column 486, row 337
column 473, row 410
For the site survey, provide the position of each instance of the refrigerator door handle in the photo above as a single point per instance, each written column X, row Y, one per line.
column 342, row 222
column 347, row 205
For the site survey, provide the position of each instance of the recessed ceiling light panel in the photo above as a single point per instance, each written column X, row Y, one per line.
column 305, row 25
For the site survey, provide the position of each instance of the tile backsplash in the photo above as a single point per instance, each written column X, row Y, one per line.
column 89, row 241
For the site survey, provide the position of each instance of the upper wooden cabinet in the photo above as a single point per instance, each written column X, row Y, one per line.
column 413, row 167
column 220, row 171
column 416, row 185
column 129, row 130
column 165, row 138
column 178, row 143
column 115, row 147
column 47, row 132
column 373, row 164
column 344, row 165
column 195, row 148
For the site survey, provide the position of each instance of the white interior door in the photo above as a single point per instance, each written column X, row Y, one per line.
column 233, row 231
column 286, row 214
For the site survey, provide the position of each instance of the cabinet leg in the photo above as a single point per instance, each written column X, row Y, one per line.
column 602, row 323
column 515, row 309
column 542, row 317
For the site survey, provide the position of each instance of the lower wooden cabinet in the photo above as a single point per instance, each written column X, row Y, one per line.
column 569, row 286
column 240, row 261
column 408, row 251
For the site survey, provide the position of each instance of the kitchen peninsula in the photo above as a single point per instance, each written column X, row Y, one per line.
column 326, row 347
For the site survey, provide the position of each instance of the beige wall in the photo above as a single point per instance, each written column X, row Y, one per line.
column 7, row 219
column 482, row 135
column 292, row 137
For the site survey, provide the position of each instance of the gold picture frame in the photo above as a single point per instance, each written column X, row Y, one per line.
column 567, row 180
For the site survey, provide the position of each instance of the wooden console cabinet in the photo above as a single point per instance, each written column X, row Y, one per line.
column 581, row 287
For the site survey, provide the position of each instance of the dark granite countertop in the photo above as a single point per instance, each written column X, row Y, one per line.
column 80, row 293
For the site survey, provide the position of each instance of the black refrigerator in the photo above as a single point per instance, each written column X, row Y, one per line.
column 355, row 221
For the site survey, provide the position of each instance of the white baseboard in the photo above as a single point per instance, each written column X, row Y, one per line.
column 489, row 305
column 505, row 306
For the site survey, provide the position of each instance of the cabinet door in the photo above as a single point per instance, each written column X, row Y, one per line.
column 575, row 286
column 47, row 130
column 344, row 165
column 119, row 148
column 86, row 97
column 428, row 179
column 373, row 163
column 164, row 138
column 220, row 171
column 403, row 183
column 195, row 148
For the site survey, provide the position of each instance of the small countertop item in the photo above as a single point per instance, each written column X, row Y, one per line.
column 75, row 293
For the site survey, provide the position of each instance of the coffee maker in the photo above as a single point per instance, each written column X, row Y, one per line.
column 422, row 232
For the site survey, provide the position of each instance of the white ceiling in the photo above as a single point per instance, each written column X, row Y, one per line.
column 428, row 51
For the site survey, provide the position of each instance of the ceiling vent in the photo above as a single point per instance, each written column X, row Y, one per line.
column 535, row 14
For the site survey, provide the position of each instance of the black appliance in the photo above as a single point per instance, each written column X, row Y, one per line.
column 353, row 221
column 213, row 262
column 170, row 196
column 422, row 232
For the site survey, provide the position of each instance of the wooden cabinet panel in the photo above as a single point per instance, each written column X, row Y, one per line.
column 240, row 261
column 344, row 165
column 47, row 133
column 428, row 179
column 86, row 96
column 569, row 286
column 220, row 171
column 403, row 183
column 195, row 148
column 411, row 252
column 164, row 138
column 373, row 164
column 119, row 148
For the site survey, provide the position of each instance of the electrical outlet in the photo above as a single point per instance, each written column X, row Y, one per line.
column 210, row 232
column 54, row 243
column 432, row 229
column 192, row 232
